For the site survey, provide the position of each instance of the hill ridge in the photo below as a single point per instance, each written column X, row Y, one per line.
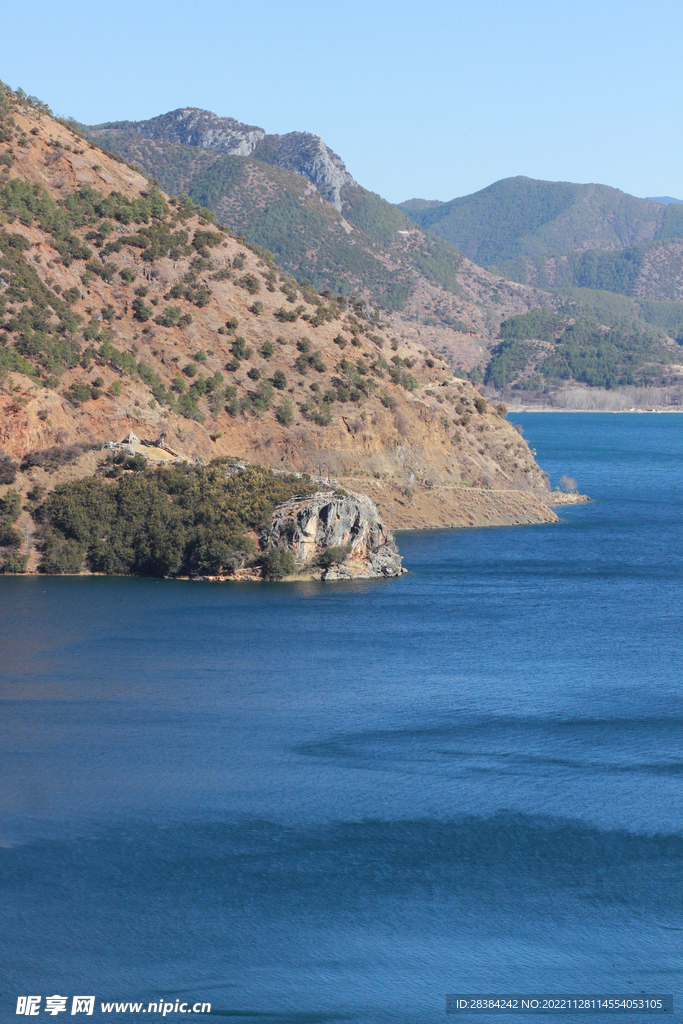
column 529, row 217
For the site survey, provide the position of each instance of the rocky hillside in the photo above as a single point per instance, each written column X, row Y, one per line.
column 123, row 310
column 292, row 195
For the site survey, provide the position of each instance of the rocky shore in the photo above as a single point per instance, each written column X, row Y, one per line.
column 317, row 528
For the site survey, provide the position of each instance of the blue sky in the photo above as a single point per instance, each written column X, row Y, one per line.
column 435, row 100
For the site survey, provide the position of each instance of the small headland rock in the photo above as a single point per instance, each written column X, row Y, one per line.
column 335, row 535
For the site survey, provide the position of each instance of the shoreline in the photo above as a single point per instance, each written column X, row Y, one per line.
column 611, row 412
column 337, row 573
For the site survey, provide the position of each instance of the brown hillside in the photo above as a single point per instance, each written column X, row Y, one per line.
column 222, row 354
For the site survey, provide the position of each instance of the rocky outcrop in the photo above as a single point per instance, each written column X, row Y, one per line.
column 193, row 127
column 301, row 152
column 308, row 155
column 351, row 523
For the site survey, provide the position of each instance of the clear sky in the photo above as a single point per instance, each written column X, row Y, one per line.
column 434, row 100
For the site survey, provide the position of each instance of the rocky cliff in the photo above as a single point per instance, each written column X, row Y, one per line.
column 301, row 152
column 336, row 536
column 201, row 128
column 308, row 155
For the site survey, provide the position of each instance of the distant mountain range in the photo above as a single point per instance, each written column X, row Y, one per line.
column 293, row 196
column 524, row 217
column 446, row 274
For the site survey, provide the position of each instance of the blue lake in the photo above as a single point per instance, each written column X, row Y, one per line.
column 324, row 802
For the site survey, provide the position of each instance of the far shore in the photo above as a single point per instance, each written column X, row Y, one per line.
column 613, row 412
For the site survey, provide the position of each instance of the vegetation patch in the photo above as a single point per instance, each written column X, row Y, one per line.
column 172, row 521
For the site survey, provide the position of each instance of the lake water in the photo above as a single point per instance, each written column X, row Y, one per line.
column 325, row 802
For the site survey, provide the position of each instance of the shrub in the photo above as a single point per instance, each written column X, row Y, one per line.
column 190, row 370
column 303, row 345
column 232, row 323
column 285, row 412
column 169, row 318
column 256, row 308
column 480, row 404
column 51, row 459
column 262, row 399
column 278, row 380
column 80, row 392
column 267, row 351
column 141, row 311
column 276, row 564
column 199, row 294
column 568, row 485
column 137, row 463
column 285, row 315
column 333, row 556
column 222, row 275
column 240, row 349
column 321, row 416
column 254, row 374
column 402, row 377
column 10, row 507
column 14, row 563
column 502, row 410
column 104, row 270
column 8, row 470
column 251, row 283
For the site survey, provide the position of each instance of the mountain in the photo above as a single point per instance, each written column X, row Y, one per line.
column 122, row 309
column 664, row 199
column 292, row 195
column 523, row 217
column 300, row 152
column 614, row 263
column 419, row 204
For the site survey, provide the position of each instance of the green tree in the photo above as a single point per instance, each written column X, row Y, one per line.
column 285, row 412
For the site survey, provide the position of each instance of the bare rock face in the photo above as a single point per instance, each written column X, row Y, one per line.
column 308, row 527
column 301, row 152
column 193, row 127
column 308, row 155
